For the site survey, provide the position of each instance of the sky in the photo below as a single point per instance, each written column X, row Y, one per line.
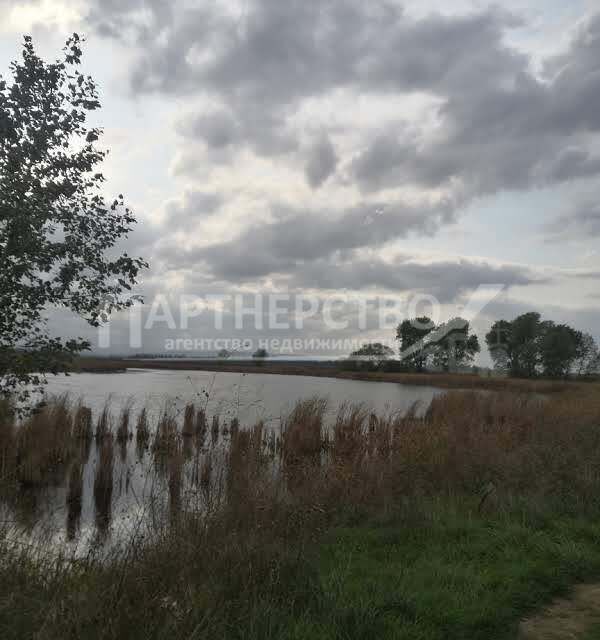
column 386, row 149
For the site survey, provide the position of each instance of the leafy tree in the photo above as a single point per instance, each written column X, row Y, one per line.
column 374, row 350
column 527, row 346
column 374, row 353
column 414, row 347
column 56, row 229
column 453, row 345
column 559, row 347
column 498, row 341
column 260, row 354
column 524, row 334
column 588, row 356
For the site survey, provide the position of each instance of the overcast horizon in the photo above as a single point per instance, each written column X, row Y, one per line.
column 380, row 150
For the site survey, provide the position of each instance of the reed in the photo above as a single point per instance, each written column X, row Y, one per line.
column 44, row 444
column 166, row 439
column 104, row 424
column 123, row 433
column 103, row 485
column 303, row 432
column 188, row 421
column 538, row 458
column 215, row 429
column 142, row 430
column 7, row 441
column 201, row 426
column 82, row 424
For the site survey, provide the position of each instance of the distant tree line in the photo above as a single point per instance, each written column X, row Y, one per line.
column 528, row 346
column 448, row 347
column 525, row 347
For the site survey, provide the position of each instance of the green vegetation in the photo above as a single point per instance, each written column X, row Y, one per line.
column 449, row 346
column 57, row 231
column 528, row 347
column 455, row 524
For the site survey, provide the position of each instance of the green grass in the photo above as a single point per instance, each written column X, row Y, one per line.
column 447, row 577
column 442, row 573
column 593, row 633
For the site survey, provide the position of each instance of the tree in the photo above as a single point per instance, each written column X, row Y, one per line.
column 375, row 353
column 453, row 345
column 56, row 229
column 414, row 349
column 223, row 354
column 588, row 356
column 527, row 346
column 498, row 341
column 524, row 334
column 559, row 346
column 260, row 354
column 374, row 350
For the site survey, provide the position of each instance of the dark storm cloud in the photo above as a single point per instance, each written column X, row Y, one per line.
column 322, row 162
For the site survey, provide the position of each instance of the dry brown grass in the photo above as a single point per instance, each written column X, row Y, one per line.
column 517, row 446
column 123, row 433
column 44, row 444
column 488, row 446
column 7, row 441
column 188, row 421
column 82, row 424
column 142, row 431
column 104, row 424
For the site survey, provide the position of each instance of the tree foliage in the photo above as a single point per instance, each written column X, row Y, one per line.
column 528, row 346
column 449, row 346
column 412, row 336
column 374, row 350
column 454, row 346
column 56, row 228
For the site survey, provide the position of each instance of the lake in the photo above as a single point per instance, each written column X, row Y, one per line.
column 249, row 397
column 141, row 483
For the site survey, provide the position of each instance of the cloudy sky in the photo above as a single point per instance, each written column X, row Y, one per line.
column 381, row 147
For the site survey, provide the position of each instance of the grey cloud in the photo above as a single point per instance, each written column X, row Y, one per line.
column 221, row 129
column 502, row 127
column 446, row 280
column 582, row 222
column 297, row 237
column 194, row 206
column 507, row 131
column 322, row 162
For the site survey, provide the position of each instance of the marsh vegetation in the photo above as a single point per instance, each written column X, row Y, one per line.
column 453, row 522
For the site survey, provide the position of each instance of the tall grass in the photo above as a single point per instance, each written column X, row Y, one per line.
column 228, row 569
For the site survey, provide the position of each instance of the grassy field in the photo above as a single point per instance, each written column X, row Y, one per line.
column 454, row 525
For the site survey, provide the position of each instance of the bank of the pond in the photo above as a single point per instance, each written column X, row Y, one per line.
column 456, row 524
column 332, row 369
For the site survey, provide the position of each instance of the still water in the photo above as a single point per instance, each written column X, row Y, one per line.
column 248, row 397
column 141, row 489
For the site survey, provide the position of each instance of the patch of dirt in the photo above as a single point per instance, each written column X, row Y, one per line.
column 565, row 619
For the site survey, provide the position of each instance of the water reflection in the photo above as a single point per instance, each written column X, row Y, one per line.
column 89, row 473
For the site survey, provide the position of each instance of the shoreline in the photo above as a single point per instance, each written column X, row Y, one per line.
column 331, row 370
